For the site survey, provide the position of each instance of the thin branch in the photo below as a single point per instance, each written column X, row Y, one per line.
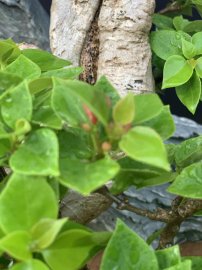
column 174, row 7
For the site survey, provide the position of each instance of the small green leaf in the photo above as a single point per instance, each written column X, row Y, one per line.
column 188, row 49
column 157, row 123
column 193, row 27
column 162, row 22
column 126, row 250
column 186, row 265
column 188, row 152
column 24, row 68
column 22, row 127
column 38, row 155
column 39, row 85
column 145, row 145
column 8, row 81
column 17, row 104
column 31, row 265
column 64, row 73
column 190, row 92
column 196, row 261
column 45, row 60
column 45, row 231
column 180, row 23
column 168, row 257
column 85, row 177
column 166, row 43
column 189, row 182
column 16, row 244
column 177, row 71
column 197, row 41
column 147, row 106
column 70, row 250
column 124, row 110
column 198, row 67
column 34, row 200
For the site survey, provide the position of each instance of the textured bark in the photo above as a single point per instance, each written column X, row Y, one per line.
column 123, row 27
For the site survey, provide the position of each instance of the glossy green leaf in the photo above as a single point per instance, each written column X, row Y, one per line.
column 64, row 73
column 24, row 68
column 186, row 265
column 39, row 85
column 193, row 27
column 190, row 93
column 162, row 22
column 45, row 231
column 74, row 144
column 17, row 244
column 158, row 123
column 70, row 250
column 198, row 67
column 126, row 250
column 189, row 182
column 85, row 177
column 124, row 110
column 17, row 104
column 107, row 88
column 188, row 49
column 45, row 116
column 145, row 145
column 179, row 22
column 147, row 106
column 197, row 41
column 34, row 200
column 45, row 60
column 188, row 152
column 168, row 257
column 166, row 43
column 69, row 96
column 30, row 265
column 38, row 155
column 177, row 71
column 8, row 81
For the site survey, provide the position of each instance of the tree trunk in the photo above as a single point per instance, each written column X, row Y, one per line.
column 107, row 37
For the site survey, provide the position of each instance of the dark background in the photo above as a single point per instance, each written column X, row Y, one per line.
column 168, row 96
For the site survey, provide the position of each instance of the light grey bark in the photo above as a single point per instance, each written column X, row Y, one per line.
column 124, row 52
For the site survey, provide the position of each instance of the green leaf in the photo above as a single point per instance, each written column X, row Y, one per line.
column 78, row 144
column 107, row 88
column 186, row 265
column 196, row 261
column 197, row 41
column 45, row 116
column 147, row 106
column 180, row 23
column 8, row 81
column 188, row 49
column 17, row 104
column 177, row 71
column 45, row 232
column 193, row 27
column 162, row 21
column 124, row 110
column 166, row 43
column 189, row 182
column 24, row 68
column 31, row 265
column 198, row 67
column 22, row 127
column 70, row 250
column 133, row 173
column 6, row 51
column 16, row 244
column 145, row 145
column 126, row 250
column 45, row 60
column 157, row 123
column 38, row 155
column 168, row 257
column 188, row 152
column 69, row 96
column 190, row 93
column 39, row 85
column 85, row 177
column 64, row 73
column 24, row 201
